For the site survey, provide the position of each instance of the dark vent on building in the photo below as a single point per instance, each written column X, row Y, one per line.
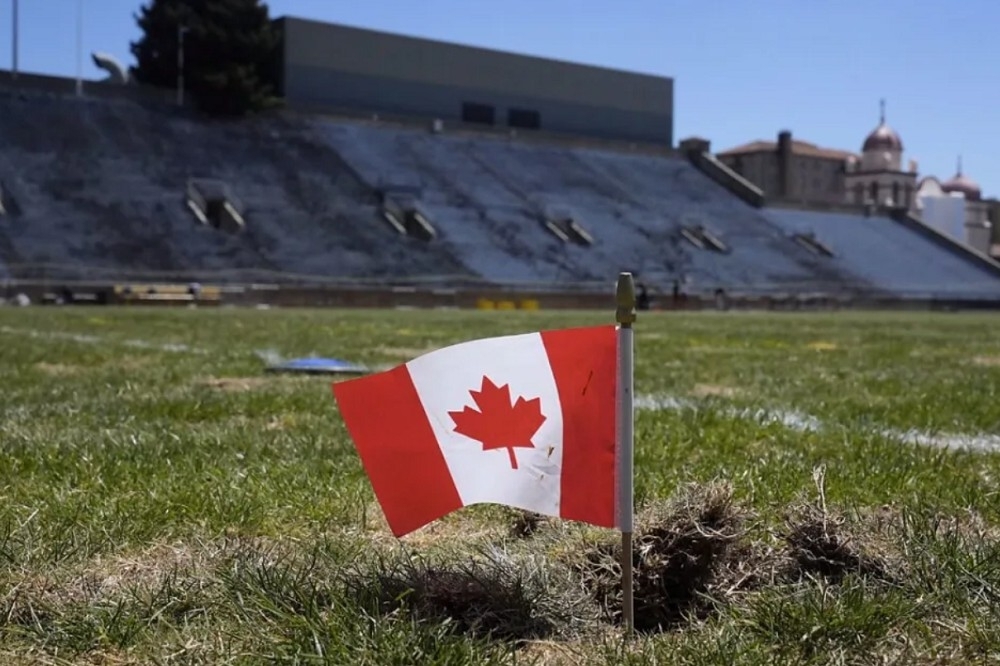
column 213, row 203
column 566, row 226
column 813, row 244
column 481, row 114
column 703, row 239
column 401, row 209
column 524, row 118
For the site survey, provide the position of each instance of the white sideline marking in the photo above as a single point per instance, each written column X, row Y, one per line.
column 97, row 340
column 800, row 422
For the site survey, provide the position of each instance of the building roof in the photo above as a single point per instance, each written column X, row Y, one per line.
column 962, row 184
column 803, row 148
column 881, row 138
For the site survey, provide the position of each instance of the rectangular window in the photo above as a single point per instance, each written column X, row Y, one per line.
column 482, row 114
column 524, row 118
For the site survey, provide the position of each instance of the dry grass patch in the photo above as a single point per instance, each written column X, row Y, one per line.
column 59, row 369
column 987, row 361
column 685, row 555
column 404, row 353
column 36, row 596
column 715, row 391
column 234, row 384
column 824, row 544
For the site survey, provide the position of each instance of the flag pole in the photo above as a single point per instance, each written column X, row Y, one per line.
column 625, row 316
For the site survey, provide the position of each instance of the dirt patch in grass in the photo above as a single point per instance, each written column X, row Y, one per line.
column 987, row 361
column 821, row 345
column 684, row 553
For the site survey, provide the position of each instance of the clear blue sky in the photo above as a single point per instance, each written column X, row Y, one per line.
column 743, row 69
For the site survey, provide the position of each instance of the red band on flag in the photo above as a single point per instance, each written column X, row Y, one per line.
column 398, row 449
column 584, row 363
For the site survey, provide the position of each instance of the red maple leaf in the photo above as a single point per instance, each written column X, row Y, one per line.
column 500, row 424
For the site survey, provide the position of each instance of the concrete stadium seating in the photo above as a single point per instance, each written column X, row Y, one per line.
column 484, row 194
column 889, row 254
column 100, row 186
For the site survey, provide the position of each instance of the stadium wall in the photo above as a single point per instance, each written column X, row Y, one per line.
column 339, row 67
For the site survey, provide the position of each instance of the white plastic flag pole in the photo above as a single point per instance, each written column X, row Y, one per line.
column 625, row 316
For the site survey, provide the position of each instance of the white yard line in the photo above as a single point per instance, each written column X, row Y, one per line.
column 800, row 422
column 98, row 340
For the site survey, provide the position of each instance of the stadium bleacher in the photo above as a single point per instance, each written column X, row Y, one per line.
column 102, row 187
column 892, row 256
column 485, row 194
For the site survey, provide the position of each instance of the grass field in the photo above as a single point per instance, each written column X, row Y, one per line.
column 804, row 492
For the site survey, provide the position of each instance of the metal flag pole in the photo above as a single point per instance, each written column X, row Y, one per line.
column 625, row 316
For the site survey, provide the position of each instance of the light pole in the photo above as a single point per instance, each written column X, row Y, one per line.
column 79, row 48
column 13, row 40
column 181, row 31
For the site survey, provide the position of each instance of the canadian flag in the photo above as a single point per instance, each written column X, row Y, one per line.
column 524, row 420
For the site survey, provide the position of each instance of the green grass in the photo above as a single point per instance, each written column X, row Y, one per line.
column 180, row 506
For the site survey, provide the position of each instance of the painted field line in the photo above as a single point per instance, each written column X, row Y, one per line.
column 801, row 422
column 83, row 338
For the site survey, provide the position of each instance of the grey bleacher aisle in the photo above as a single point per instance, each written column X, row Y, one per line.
column 891, row 255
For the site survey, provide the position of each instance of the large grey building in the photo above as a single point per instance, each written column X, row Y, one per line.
column 334, row 67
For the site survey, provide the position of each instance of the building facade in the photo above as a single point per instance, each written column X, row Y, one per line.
column 956, row 207
column 339, row 68
column 800, row 172
column 878, row 177
column 791, row 170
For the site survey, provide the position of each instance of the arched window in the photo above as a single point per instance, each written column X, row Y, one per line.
column 873, row 191
column 895, row 194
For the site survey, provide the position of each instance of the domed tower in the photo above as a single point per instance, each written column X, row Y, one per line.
column 880, row 179
column 882, row 149
column 961, row 184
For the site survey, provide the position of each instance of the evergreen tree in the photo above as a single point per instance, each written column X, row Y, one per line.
column 230, row 52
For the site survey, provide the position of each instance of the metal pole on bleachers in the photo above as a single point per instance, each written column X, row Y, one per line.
column 13, row 39
column 79, row 48
column 181, row 31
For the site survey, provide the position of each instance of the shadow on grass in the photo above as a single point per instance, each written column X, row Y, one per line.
column 487, row 594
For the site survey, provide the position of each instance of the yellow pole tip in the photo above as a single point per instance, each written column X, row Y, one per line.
column 625, row 299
